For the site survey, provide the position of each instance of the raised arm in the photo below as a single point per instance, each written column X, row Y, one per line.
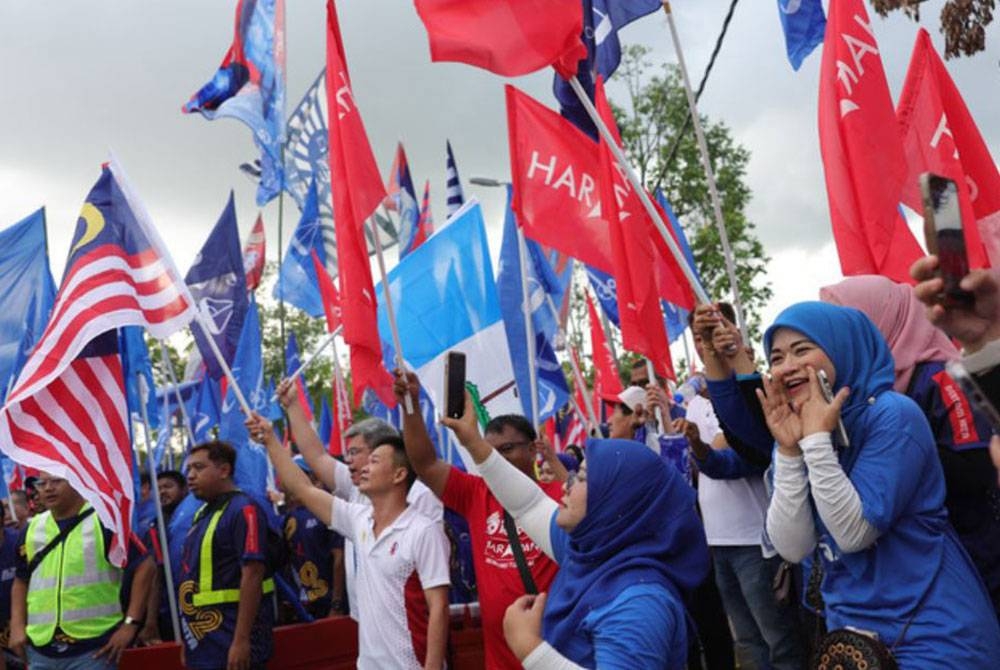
column 309, row 443
column 419, row 449
column 316, row 500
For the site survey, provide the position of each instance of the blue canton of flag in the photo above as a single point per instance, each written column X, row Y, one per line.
column 297, row 282
column 28, row 292
column 219, row 287
column 804, row 24
column 553, row 392
column 250, row 86
column 453, row 187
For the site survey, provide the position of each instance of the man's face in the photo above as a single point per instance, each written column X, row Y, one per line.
column 170, row 491
column 639, row 377
column 380, row 473
column 356, row 457
column 54, row 492
column 515, row 447
column 204, row 477
column 621, row 425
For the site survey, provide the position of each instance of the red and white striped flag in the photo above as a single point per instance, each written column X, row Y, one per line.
column 67, row 413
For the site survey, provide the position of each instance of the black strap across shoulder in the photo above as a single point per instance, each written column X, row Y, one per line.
column 57, row 540
column 515, row 546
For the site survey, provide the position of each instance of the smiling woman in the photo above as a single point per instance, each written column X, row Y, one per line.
column 871, row 514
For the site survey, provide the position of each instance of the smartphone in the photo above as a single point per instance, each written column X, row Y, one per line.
column 974, row 393
column 454, row 384
column 824, row 385
column 945, row 237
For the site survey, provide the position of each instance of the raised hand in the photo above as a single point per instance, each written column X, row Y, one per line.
column 406, row 383
column 972, row 327
column 782, row 419
column 287, row 393
column 816, row 414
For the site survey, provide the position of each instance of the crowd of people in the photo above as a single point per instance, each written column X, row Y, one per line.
column 833, row 505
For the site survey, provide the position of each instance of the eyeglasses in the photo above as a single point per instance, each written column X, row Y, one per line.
column 508, row 447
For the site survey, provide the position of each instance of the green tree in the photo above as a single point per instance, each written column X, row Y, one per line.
column 963, row 22
column 650, row 121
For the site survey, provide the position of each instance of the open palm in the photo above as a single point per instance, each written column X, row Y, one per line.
column 782, row 420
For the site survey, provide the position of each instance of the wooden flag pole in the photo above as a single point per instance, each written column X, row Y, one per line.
column 633, row 178
column 706, row 163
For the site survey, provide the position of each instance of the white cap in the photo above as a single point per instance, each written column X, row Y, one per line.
column 633, row 396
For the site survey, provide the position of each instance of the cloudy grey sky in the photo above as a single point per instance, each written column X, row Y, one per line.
column 82, row 78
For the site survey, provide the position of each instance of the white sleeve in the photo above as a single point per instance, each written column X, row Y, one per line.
column 545, row 657
column 342, row 480
column 521, row 496
column 432, row 554
column 837, row 501
column 344, row 517
column 790, row 524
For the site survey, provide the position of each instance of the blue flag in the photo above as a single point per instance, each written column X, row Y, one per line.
column 604, row 288
column 250, row 86
column 204, row 409
column 674, row 317
column 297, row 282
column 804, row 24
column 453, row 185
column 325, row 423
column 552, row 391
column 445, row 298
column 307, row 155
column 136, row 363
column 28, row 293
column 376, row 408
column 163, row 435
column 219, row 286
column 292, row 363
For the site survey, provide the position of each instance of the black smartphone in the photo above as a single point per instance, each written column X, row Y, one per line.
column 454, row 384
column 945, row 237
column 974, row 393
column 824, row 385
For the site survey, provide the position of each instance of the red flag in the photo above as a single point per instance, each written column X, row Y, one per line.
column 940, row 136
column 328, row 294
column 507, row 37
column 639, row 310
column 253, row 255
column 607, row 381
column 862, row 151
column 341, row 411
column 357, row 191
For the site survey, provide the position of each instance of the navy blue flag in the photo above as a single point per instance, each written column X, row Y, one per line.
column 28, row 293
column 297, row 282
column 553, row 392
column 453, row 189
column 135, row 363
column 219, row 286
column 804, row 24
column 675, row 317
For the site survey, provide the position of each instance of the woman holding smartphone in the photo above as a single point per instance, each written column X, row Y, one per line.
column 873, row 513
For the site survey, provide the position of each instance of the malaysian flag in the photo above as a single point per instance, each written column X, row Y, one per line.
column 67, row 413
column 453, row 185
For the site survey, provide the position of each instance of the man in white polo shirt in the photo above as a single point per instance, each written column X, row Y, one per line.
column 402, row 555
column 342, row 480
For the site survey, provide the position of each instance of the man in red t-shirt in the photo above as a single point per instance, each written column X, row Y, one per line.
column 497, row 574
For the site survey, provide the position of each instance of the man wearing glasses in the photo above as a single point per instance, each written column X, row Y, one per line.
column 498, row 574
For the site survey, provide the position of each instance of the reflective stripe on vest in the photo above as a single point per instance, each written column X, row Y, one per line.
column 74, row 588
column 206, row 596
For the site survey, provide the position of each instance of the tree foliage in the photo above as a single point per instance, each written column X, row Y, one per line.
column 963, row 22
column 650, row 122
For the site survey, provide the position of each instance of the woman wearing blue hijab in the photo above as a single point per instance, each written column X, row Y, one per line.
column 629, row 545
column 872, row 509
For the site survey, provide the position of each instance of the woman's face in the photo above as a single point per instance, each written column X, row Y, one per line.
column 545, row 474
column 791, row 355
column 574, row 502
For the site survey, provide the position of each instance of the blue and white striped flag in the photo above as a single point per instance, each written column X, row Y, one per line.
column 454, row 186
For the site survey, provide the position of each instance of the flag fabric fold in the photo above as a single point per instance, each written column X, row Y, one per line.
column 254, row 255
column 402, row 199
column 298, row 282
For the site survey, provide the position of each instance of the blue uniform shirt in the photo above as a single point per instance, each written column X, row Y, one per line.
column 311, row 546
column 240, row 538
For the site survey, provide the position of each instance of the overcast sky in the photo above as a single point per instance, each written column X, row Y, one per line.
column 81, row 78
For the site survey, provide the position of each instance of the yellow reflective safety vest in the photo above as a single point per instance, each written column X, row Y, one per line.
column 74, row 588
column 207, row 595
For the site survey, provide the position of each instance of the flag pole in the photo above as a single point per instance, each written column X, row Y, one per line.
column 588, row 396
column 220, row 359
column 160, row 523
column 633, row 178
column 709, row 173
column 390, row 311
column 169, row 365
column 314, row 355
column 338, row 380
column 529, row 326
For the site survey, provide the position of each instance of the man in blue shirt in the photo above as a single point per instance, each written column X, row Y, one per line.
column 224, row 572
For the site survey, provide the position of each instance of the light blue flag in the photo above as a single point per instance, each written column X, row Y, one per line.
column 371, row 404
column 307, row 154
column 28, row 293
column 297, row 283
column 552, row 391
column 446, row 299
column 804, row 24
column 135, row 363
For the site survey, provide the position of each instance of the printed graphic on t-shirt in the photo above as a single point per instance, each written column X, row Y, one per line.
column 497, row 549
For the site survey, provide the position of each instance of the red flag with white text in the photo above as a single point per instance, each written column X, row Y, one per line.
column 862, row 151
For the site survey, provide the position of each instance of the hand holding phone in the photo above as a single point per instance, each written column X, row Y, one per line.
column 945, row 237
column 824, row 385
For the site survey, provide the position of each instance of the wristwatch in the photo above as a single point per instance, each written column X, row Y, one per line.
column 138, row 623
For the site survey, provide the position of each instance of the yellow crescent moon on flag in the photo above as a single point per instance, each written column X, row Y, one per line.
column 95, row 224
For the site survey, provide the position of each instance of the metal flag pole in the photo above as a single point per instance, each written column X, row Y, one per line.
column 389, row 310
column 529, row 326
column 706, row 162
column 633, row 178
column 169, row 365
column 220, row 359
column 160, row 523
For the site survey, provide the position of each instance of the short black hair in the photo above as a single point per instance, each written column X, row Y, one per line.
column 399, row 457
column 218, row 452
column 576, row 451
column 516, row 421
column 175, row 475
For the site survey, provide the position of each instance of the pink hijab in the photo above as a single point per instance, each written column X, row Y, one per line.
column 899, row 316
